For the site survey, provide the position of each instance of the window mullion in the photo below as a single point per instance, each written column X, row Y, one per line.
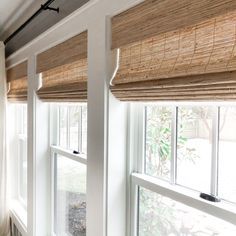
column 141, row 138
column 174, row 145
column 215, row 150
column 54, row 191
column 80, row 130
column 68, row 128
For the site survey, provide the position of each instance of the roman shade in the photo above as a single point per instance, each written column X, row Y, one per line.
column 64, row 71
column 176, row 50
column 17, row 83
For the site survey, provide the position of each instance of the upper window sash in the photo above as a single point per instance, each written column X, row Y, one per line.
column 137, row 137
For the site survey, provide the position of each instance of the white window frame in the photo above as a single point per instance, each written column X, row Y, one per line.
column 65, row 152
column 223, row 210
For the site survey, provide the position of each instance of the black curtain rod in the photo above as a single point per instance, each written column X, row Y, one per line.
column 43, row 7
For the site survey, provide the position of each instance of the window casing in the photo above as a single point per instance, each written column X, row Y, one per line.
column 167, row 180
column 68, row 156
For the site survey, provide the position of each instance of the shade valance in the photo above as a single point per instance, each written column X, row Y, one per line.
column 64, row 71
column 188, row 53
column 17, row 82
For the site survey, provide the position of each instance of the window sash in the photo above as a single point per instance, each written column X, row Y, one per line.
column 56, row 150
column 174, row 140
column 223, row 210
column 220, row 210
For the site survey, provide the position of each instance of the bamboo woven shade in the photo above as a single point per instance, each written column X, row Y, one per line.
column 17, row 82
column 154, row 17
column 195, row 62
column 64, row 71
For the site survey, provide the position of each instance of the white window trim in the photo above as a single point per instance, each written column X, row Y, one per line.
column 223, row 210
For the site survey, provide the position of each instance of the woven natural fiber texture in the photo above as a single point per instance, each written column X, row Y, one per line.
column 64, row 76
column 69, row 51
column 66, row 83
column 194, row 62
column 155, row 17
column 18, row 90
column 17, row 82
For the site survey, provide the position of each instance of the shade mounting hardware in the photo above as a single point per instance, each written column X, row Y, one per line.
column 50, row 8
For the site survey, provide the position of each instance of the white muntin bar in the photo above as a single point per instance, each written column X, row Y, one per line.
column 215, row 152
column 80, row 129
column 141, row 137
column 174, row 137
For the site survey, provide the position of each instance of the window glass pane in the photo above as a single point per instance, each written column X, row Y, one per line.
column 74, row 114
column 25, row 119
column 70, row 197
column 84, row 129
column 194, row 147
column 21, row 119
column 22, row 151
column 227, row 152
column 158, row 141
column 63, row 126
column 162, row 216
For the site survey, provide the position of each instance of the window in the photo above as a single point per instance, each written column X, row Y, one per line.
column 20, row 141
column 158, row 141
column 73, row 127
column 69, row 170
column 194, row 147
column 159, row 215
column 182, row 151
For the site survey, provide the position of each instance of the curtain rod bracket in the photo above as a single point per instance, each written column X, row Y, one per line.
column 50, row 8
column 43, row 7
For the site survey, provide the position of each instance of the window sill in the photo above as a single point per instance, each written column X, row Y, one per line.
column 19, row 216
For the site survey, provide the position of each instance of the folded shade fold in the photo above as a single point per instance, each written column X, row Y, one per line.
column 64, row 71
column 168, row 61
column 17, row 83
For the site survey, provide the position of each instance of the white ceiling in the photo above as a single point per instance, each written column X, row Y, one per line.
column 14, row 12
